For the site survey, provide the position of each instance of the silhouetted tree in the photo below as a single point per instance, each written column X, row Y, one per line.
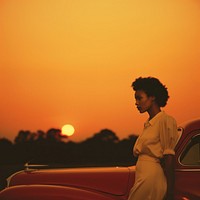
column 54, row 135
column 125, row 150
column 41, row 136
column 6, row 150
column 23, row 136
column 4, row 143
column 104, row 135
column 107, row 136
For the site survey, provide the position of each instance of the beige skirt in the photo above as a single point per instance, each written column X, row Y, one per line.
column 150, row 181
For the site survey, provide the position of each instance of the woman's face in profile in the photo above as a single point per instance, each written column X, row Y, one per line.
column 143, row 102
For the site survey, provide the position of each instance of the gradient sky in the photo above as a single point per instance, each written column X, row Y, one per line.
column 73, row 61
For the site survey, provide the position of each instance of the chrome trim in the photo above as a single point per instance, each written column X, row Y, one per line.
column 29, row 167
column 11, row 176
column 187, row 170
column 180, row 132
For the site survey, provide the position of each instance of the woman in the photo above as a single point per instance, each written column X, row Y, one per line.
column 155, row 146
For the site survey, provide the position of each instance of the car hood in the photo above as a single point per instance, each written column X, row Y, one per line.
column 112, row 180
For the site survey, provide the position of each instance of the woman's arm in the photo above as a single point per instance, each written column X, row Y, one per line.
column 170, row 176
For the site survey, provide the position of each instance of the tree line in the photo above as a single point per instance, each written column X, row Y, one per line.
column 103, row 148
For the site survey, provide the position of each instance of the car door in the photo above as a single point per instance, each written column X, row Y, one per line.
column 187, row 183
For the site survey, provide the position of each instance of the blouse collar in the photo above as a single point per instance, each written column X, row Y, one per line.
column 152, row 121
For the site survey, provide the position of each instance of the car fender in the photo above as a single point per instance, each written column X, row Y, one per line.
column 50, row 192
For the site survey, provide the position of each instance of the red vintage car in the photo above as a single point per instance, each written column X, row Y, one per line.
column 108, row 183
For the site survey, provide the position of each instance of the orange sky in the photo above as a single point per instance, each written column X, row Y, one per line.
column 73, row 61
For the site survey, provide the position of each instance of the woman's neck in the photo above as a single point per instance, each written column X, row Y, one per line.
column 153, row 111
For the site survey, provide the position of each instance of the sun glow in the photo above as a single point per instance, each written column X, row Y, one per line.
column 68, row 130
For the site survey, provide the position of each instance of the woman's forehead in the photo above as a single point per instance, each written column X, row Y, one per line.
column 140, row 93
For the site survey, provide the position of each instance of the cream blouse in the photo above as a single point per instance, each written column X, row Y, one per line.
column 158, row 138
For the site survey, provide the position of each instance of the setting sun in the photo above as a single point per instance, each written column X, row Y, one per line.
column 68, row 130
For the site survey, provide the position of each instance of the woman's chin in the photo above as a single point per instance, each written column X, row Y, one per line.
column 141, row 111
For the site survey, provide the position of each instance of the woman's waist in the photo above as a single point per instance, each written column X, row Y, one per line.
column 145, row 157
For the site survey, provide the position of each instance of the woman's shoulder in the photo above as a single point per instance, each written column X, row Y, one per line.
column 167, row 118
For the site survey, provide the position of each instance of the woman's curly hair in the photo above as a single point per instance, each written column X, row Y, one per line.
column 152, row 87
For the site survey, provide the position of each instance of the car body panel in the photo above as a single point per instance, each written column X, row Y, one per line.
column 188, row 183
column 50, row 192
column 111, row 180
